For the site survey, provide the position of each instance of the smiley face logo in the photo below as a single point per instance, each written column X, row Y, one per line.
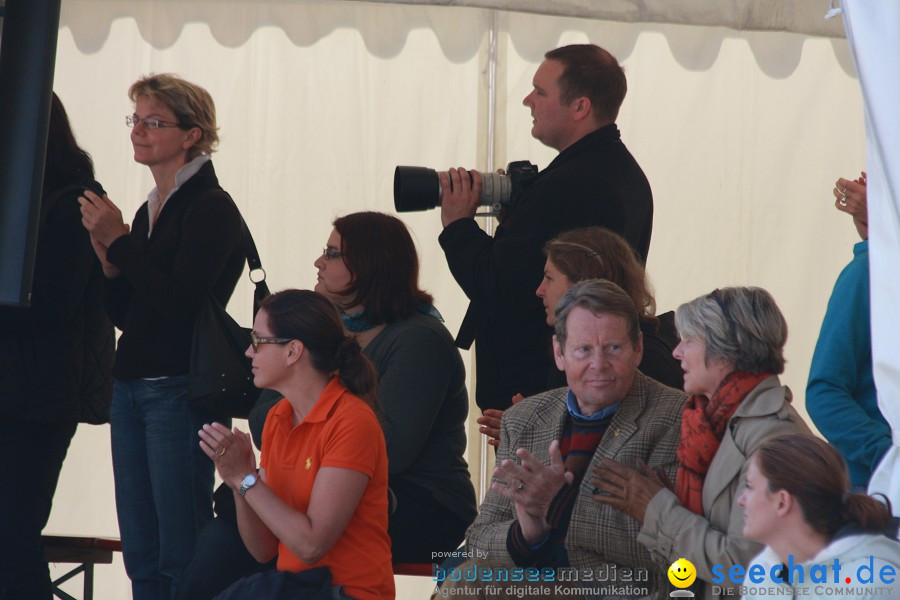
column 682, row 573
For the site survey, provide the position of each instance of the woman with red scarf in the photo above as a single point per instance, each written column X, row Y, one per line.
column 731, row 352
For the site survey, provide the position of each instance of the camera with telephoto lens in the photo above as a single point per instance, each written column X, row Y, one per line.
column 419, row 188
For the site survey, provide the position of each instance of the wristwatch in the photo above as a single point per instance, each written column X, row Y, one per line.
column 247, row 482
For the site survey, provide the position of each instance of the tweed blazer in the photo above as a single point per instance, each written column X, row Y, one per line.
column 671, row 531
column 646, row 427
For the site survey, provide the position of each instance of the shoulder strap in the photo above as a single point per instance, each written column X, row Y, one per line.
column 253, row 261
column 261, row 290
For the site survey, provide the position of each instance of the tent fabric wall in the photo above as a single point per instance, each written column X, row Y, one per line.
column 874, row 35
column 797, row 16
column 741, row 133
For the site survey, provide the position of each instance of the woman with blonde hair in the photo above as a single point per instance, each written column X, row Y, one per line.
column 185, row 244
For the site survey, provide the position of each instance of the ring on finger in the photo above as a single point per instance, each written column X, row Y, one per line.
column 521, row 485
column 843, row 200
column 221, row 451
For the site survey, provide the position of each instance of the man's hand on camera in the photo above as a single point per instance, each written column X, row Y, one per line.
column 459, row 194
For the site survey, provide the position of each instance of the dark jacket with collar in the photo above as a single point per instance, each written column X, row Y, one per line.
column 196, row 248
column 56, row 356
column 595, row 181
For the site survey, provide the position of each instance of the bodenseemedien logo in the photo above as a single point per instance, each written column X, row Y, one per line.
column 682, row 574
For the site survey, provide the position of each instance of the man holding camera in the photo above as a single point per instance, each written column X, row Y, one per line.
column 594, row 180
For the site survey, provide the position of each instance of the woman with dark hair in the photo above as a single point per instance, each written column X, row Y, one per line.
column 598, row 253
column 56, row 358
column 370, row 270
column 319, row 498
column 731, row 352
column 184, row 245
column 798, row 503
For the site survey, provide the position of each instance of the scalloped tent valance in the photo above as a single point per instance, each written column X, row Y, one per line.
column 796, row 16
column 161, row 21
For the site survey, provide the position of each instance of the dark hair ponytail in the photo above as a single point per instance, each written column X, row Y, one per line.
column 356, row 370
column 815, row 474
column 867, row 512
column 311, row 318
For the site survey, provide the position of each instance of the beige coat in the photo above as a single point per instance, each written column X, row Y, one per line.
column 671, row 531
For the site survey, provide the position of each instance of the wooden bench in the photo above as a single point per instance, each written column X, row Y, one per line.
column 83, row 551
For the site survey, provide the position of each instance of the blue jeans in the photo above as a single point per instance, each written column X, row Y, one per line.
column 164, row 482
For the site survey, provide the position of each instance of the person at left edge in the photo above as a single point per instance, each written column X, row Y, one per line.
column 56, row 359
column 185, row 244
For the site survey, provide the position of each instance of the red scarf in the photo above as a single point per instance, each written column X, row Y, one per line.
column 703, row 423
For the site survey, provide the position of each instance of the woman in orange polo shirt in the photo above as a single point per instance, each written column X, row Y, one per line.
column 320, row 496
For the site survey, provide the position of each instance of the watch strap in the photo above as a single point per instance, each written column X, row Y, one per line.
column 244, row 486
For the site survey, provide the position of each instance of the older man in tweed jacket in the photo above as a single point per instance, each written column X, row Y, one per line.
column 540, row 511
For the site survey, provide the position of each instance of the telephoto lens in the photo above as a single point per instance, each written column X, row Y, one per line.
column 419, row 188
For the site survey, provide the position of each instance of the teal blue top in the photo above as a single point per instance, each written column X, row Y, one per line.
column 840, row 393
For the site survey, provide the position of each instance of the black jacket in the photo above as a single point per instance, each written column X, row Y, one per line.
column 595, row 181
column 56, row 356
column 196, row 248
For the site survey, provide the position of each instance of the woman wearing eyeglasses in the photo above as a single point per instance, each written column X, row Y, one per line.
column 370, row 270
column 320, row 496
column 184, row 244
column 731, row 352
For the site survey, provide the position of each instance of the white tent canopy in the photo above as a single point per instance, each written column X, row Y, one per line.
column 741, row 127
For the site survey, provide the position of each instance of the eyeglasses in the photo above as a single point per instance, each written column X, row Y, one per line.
column 331, row 253
column 134, row 120
column 256, row 342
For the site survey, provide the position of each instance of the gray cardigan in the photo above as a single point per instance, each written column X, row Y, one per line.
column 422, row 392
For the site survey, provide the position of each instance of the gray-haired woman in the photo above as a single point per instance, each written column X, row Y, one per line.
column 731, row 352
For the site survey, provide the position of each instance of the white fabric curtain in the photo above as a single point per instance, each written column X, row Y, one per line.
column 873, row 31
column 318, row 101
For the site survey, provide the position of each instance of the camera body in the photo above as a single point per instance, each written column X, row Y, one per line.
column 419, row 188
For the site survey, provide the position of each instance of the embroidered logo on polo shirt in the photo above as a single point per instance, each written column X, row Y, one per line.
column 308, row 462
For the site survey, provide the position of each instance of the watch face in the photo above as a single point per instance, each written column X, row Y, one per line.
column 249, row 480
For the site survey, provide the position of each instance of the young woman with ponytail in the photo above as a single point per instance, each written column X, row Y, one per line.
column 320, row 498
column 798, row 502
